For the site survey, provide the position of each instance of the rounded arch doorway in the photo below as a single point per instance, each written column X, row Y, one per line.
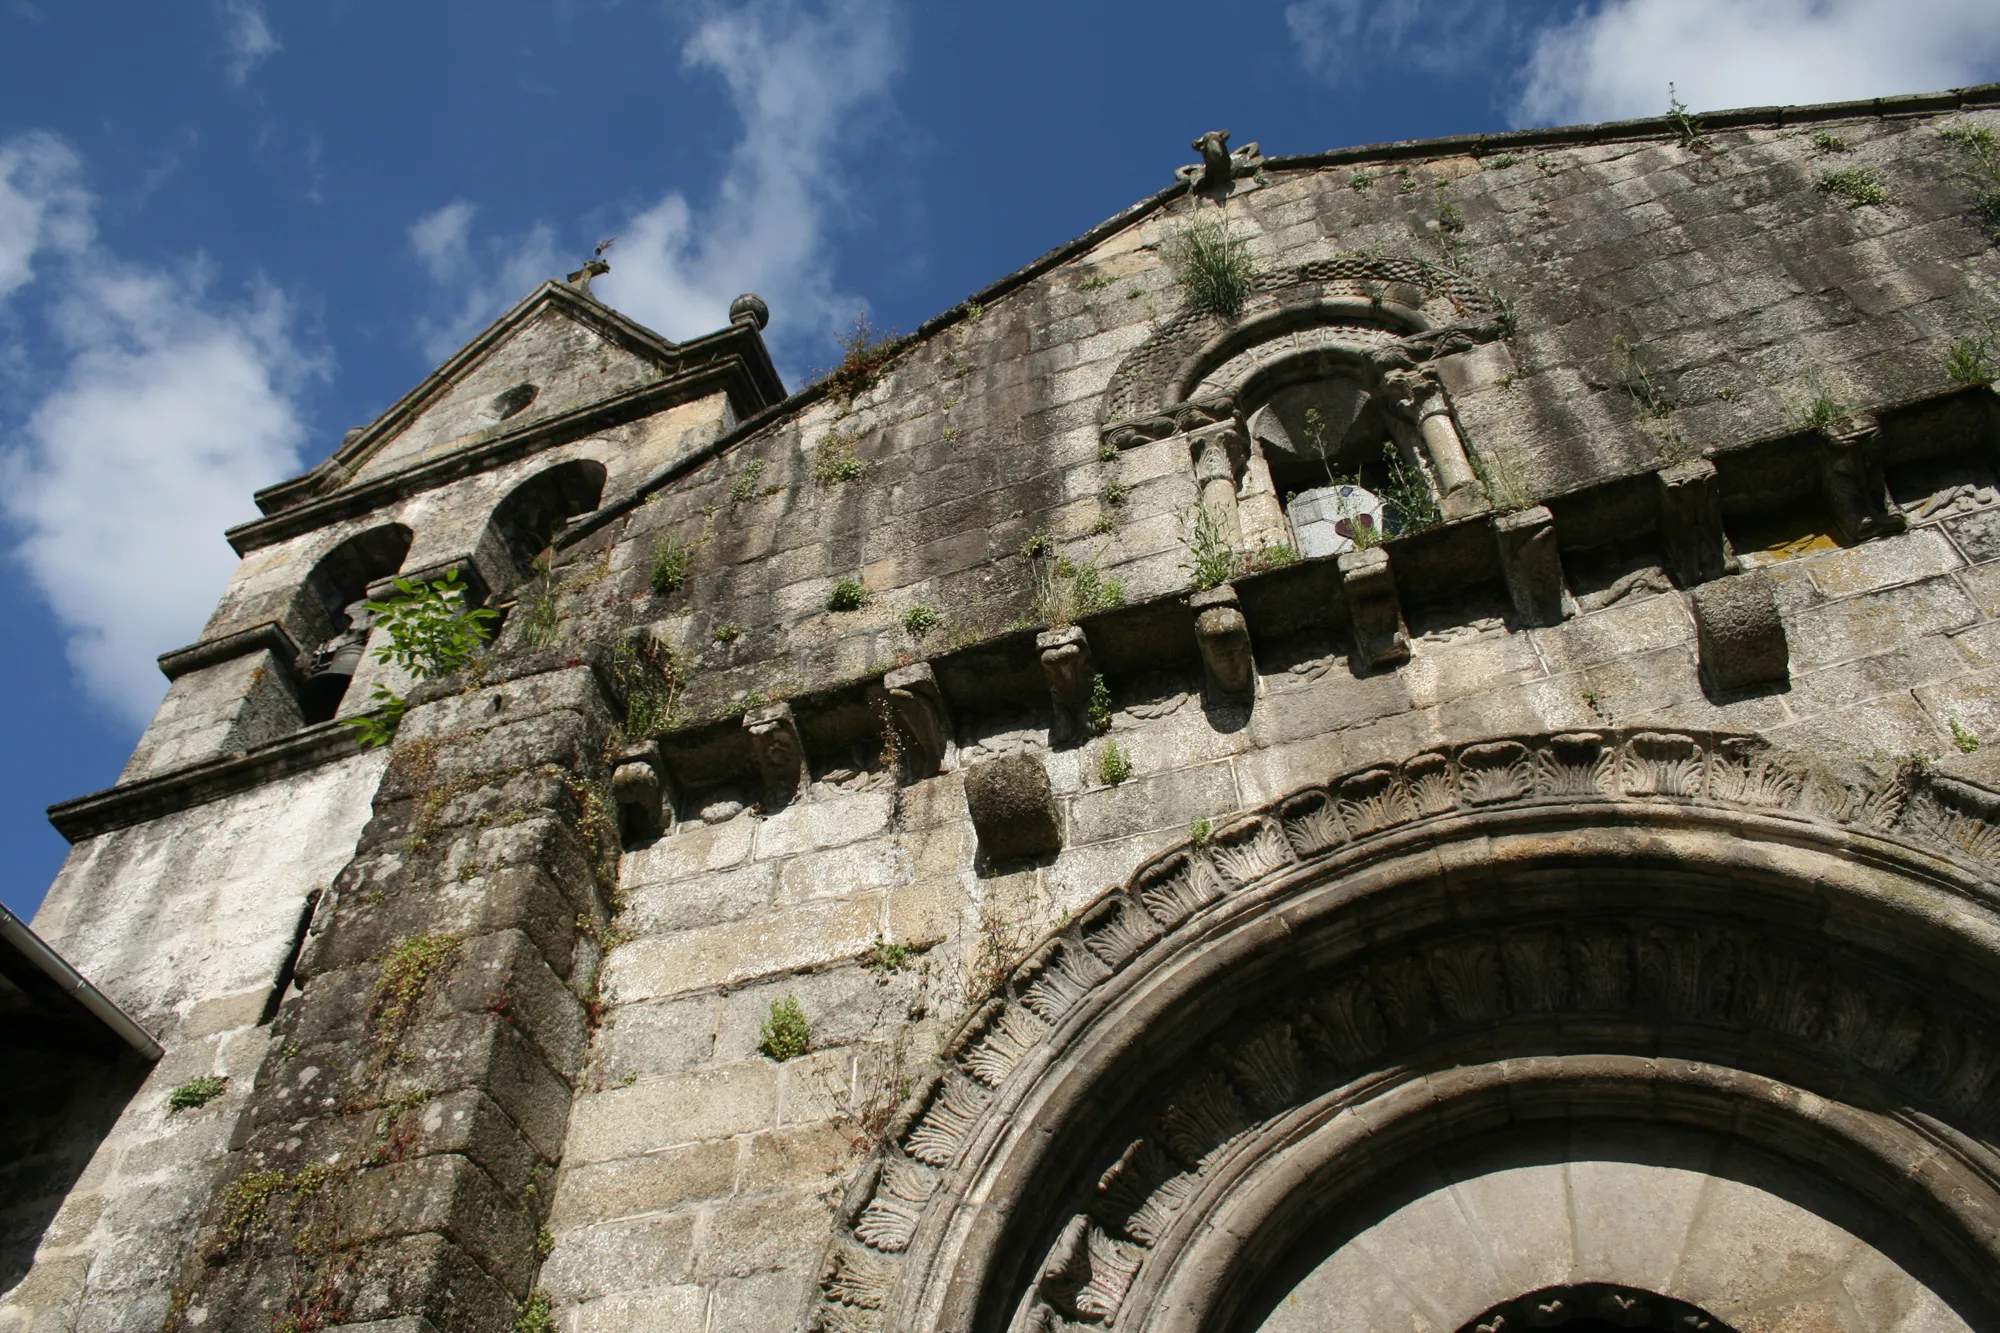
column 1718, row 1022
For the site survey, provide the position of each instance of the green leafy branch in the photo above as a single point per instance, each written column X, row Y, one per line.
column 429, row 631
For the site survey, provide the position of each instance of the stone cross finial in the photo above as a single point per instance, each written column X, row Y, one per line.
column 1215, row 176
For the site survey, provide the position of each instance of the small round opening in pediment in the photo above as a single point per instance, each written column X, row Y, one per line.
column 515, row 400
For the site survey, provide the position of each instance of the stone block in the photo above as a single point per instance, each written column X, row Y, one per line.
column 1013, row 807
column 1533, row 566
column 1224, row 639
column 676, row 1309
column 912, row 697
column 659, row 1113
column 783, row 940
column 1876, row 565
column 1851, row 481
column 1373, row 608
column 1741, row 636
column 653, row 1182
column 623, row 1255
column 781, row 753
column 644, row 796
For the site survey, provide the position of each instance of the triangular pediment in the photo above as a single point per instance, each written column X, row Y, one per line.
column 556, row 352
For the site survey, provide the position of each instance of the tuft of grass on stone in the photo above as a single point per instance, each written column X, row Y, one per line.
column 847, row 595
column 834, row 461
column 1964, row 738
column 746, row 486
column 671, row 561
column 1857, row 185
column 1970, row 361
column 1201, row 831
column 1114, row 763
column 1502, row 162
column 199, row 1092
column 1360, row 181
column 727, row 632
column 1212, row 267
column 785, row 1034
column 535, row 1314
column 1829, row 143
column 885, row 957
column 921, row 619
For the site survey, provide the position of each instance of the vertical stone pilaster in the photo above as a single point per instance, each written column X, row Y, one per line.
column 396, row 1152
column 1691, row 532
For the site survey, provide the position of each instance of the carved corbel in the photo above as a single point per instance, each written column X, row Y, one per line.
column 918, row 709
column 1066, row 665
column 1533, row 566
column 1369, row 588
column 1224, row 637
column 640, row 785
column 1417, row 396
column 1850, row 460
column 1697, row 549
column 781, row 754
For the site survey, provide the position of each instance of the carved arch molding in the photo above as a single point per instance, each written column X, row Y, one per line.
column 1220, row 1059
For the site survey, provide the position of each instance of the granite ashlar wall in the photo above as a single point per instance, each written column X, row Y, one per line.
column 700, row 1177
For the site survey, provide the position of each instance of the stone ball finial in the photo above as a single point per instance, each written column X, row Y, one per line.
column 749, row 308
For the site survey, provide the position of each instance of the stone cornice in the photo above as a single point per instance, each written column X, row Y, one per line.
column 207, row 652
column 149, row 798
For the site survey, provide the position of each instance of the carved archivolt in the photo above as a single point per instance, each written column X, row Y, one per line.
column 1151, row 379
column 1798, row 993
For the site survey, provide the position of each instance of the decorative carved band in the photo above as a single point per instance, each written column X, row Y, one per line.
column 1657, row 971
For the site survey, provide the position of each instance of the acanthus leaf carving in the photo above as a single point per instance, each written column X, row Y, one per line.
column 1208, row 1115
column 1428, row 779
column 1662, row 764
column 954, row 1108
column 1312, row 823
column 1115, row 929
column 1500, row 771
column 1176, row 885
column 1249, row 850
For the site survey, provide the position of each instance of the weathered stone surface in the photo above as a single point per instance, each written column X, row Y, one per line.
column 1741, row 634
column 1013, row 807
column 1533, row 566
column 1373, row 608
column 1224, row 637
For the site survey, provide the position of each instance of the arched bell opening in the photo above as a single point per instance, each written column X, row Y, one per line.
column 1235, row 1055
column 329, row 611
column 534, row 514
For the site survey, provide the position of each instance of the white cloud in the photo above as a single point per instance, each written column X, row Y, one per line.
column 1615, row 61
column 42, row 204
column 800, row 79
column 168, row 407
column 248, row 36
column 484, row 284
column 1337, row 37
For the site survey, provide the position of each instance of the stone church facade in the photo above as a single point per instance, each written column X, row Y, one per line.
column 1387, row 740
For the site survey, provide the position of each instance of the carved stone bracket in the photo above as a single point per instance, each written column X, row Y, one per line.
column 1620, row 964
column 1851, row 480
column 1066, row 665
column 1691, row 523
column 1190, row 416
column 1013, row 807
column 781, row 754
column 1533, row 566
column 644, row 793
column 1380, row 638
column 912, row 695
column 1224, row 637
column 1740, row 633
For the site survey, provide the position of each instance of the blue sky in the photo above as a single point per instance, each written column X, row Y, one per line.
column 230, row 229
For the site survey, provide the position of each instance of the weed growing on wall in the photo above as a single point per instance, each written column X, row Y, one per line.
column 541, row 618
column 1964, row 738
column 785, row 1034
column 195, row 1094
column 1971, row 361
column 1693, row 138
column 1212, row 267
column 1211, row 558
column 727, row 632
column 535, row 1315
column 1066, row 589
column 834, row 461
column 1100, row 704
column 1820, row 410
column 1828, row 143
column 746, row 486
column 408, row 971
column 921, row 619
column 865, row 353
column 847, row 595
column 653, row 678
column 1979, row 163
column 428, row 631
column 671, row 561
column 1857, row 185
column 886, row 958
column 1114, row 763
